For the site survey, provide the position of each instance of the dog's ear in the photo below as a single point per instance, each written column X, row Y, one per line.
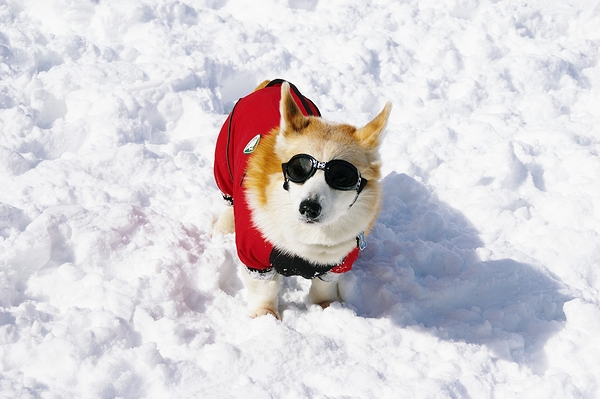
column 370, row 135
column 292, row 119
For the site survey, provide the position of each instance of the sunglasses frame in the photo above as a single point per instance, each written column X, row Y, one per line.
column 324, row 166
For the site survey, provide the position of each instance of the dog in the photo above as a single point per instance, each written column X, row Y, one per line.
column 304, row 192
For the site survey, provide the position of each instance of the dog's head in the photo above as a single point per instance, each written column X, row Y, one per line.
column 330, row 170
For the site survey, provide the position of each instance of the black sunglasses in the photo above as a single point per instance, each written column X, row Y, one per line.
column 339, row 174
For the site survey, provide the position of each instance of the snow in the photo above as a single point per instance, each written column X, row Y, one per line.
column 481, row 278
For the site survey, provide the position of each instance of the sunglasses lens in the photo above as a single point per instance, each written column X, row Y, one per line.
column 299, row 169
column 341, row 175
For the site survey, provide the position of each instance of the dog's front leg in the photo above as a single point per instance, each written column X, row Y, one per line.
column 324, row 291
column 263, row 294
column 225, row 222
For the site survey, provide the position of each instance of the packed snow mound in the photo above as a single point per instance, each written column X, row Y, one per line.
column 481, row 276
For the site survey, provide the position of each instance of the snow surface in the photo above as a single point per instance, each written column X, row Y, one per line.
column 481, row 278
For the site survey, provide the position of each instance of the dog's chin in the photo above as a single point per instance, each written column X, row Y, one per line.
column 302, row 219
column 314, row 222
column 308, row 221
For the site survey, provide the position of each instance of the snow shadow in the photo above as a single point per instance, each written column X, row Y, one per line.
column 421, row 269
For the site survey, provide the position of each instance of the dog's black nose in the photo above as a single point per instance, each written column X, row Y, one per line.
column 311, row 209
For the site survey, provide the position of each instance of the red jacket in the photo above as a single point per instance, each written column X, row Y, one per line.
column 257, row 114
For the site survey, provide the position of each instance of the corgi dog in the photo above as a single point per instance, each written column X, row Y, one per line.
column 305, row 192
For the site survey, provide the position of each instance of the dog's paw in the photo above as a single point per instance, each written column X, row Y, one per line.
column 323, row 293
column 263, row 312
column 224, row 224
column 325, row 304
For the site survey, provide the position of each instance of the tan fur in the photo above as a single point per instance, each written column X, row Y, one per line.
column 369, row 136
column 262, row 85
column 263, row 166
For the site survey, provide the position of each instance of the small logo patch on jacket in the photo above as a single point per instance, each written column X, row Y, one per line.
column 252, row 144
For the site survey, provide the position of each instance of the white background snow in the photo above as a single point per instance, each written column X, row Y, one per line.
column 481, row 278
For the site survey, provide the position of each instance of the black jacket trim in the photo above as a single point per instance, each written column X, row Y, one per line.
column 292, row 265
